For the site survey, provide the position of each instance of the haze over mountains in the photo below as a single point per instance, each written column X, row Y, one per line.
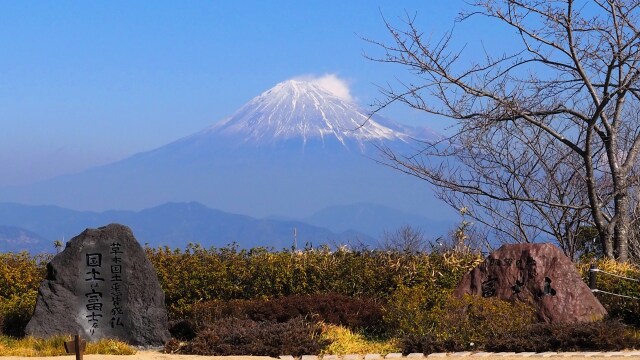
column 177, row 224
column 171, row 224
column 293, row 151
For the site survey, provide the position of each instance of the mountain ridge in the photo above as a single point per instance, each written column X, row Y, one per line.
column 290, row 176
column 17, row 239
column 170, row 224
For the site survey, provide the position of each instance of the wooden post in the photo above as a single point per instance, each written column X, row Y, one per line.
column 77, row 346
column 592, row 276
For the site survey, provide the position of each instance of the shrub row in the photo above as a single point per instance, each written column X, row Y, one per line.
column 608, row 335
column 350, row 312
column 230, row 336
column 625, row 309
column 464, row 324
column 197, row 274
column 411, row 294
column 467, row 324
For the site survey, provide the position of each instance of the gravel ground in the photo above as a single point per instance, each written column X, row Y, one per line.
column 140, row 355
column 156, row 355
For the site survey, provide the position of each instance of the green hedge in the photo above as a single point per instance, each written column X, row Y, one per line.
column 407, row 285
column 626, row 309
column 197, row 274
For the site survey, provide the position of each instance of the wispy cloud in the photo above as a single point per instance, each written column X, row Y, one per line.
column 332, row 83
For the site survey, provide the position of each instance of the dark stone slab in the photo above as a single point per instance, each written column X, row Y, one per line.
column 102, row 286
column 539, row 274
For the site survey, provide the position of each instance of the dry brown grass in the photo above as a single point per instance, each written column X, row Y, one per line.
column 54, row 346
column 344, row 342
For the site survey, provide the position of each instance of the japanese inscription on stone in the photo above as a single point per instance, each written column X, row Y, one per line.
column 103, row 297
column 527, row 271
column 100, row 286
column 540, row 275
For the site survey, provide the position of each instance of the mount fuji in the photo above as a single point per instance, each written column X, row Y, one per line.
column 294, row 150
column 299, row 117
column 302, row 111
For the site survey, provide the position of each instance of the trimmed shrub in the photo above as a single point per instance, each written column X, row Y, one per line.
column 467, row 324
column 247, row 337
column 354, row 313
column 408, row 310
column 199, row 275
column 474, row 319
column 487, row 328
column 184, row 330
column 625, row 309
column 610, row 335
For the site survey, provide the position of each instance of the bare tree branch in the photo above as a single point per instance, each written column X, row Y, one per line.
column 548, row 135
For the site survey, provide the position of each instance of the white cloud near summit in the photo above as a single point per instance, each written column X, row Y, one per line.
column 332, row 83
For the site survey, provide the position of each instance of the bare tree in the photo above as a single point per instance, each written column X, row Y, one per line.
column 548, row 136
column 405, row 239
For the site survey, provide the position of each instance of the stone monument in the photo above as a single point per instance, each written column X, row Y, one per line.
column 102, row 286
column 539, row 274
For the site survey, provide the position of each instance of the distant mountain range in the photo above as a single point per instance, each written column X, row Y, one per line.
column 297, row 151
column 35, row 228
column 292, row 151
column 16, row 239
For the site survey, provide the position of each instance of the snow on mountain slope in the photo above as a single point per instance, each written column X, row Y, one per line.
column 298, row 109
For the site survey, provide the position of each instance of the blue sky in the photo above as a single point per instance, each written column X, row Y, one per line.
column 86, row 83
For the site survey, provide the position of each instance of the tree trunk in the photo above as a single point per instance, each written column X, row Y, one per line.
column 607, row 244
column 620, row 234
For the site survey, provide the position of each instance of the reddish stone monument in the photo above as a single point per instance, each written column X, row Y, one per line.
column 539, row 274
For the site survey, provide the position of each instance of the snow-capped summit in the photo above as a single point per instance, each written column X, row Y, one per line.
column 299, row 109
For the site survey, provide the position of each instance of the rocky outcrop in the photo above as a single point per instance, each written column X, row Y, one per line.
column 102, row 286
column 539, row 274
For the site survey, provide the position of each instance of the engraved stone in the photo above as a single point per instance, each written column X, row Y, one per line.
column 539, row 274
column 102, row 286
